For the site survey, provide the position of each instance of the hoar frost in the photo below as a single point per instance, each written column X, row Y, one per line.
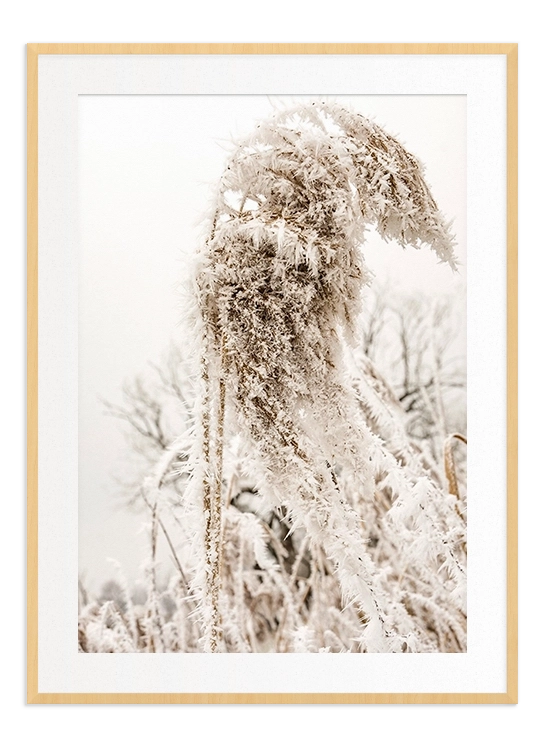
column 288, row 405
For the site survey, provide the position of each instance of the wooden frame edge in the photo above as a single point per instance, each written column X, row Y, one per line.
column 204, row 48
column 32, row 372
column 271, row 698
column 512, row 371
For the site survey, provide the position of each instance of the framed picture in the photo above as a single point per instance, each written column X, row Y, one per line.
column 272, row 365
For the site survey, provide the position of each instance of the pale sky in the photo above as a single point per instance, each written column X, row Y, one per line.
column 147, row 168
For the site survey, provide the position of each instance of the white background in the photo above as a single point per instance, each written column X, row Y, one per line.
column 63, row 345
column 418, row 21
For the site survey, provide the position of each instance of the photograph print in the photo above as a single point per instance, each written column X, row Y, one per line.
column 272, row 374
